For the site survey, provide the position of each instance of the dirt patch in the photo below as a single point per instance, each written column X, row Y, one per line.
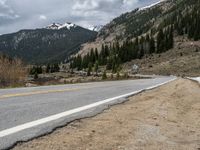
column 163, row 118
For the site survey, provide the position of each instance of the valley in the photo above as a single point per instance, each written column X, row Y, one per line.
column 100, row 81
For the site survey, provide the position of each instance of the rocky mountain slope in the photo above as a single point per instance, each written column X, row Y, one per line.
column 145, row 20
column 166, row 30
column 54, row 43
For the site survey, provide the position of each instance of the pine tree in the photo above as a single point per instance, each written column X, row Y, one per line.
column 152, row 46
column 171, row 38
column 141, row 48
column 56, row 68
column 96, row 67
column 96, row 54
column 48, row 68
column 79, row 62
column 92, row 56
column 147, row 44
column 109, row 64
column 89, row 69
column 160, row 41
column 36, row 75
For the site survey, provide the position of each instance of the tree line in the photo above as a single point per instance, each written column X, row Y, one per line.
column 113, row 55
column 35, row 70
column 189, row 24
column 186, row 21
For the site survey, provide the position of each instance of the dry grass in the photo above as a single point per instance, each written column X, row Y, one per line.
column 12, row 71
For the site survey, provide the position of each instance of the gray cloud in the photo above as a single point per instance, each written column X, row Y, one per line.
column 6, row 13
column 26, row 14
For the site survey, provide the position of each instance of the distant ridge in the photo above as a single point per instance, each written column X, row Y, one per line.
column 53, row 43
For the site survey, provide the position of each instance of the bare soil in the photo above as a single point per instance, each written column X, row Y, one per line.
column 165, row 118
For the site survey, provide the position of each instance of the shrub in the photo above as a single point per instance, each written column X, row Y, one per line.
column 118, row 76
column 125, row 76
column 12, row 71
column 111, row 77
column 36, row 75
column 104, row 76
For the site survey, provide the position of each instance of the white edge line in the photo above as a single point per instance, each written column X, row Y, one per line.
column 70, row 112
column 197, row 79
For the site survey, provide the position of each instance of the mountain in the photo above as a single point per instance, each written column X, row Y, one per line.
column 146, row 20
column 53, row 43
column 58, row 26
column 168, row 29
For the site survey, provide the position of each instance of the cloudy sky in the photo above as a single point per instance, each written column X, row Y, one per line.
column 28, row 14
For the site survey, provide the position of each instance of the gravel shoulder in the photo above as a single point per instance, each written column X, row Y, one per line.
column 164, row 118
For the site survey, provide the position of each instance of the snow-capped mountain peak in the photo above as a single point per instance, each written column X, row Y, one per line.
column 58, row 26
column 67, row 25
column 53, row 26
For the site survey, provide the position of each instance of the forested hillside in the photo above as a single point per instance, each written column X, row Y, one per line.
column 143, row 32
column 42, row 46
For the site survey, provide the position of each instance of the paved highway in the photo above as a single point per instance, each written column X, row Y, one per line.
column 26, row 113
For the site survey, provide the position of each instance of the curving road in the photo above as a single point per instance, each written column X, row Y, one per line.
column 26, row 113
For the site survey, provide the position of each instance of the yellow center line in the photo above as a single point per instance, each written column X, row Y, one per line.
column 38, row 92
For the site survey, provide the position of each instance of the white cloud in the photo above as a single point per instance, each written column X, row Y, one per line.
column 85, row 5
column 129, row 3
column 20, row 14
column 43, row 17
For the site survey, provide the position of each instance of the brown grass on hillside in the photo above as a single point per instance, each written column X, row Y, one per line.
column 12, row 71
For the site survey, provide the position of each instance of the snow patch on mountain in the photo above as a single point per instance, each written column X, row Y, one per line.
column 149, row 6
column 96, row 28
column 58, row 26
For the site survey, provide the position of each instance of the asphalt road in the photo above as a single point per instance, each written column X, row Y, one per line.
column 26, row 113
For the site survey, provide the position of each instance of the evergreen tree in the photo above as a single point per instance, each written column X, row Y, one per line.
column 92, row 56
column 48, row 68
column 171, row 38
column 96, row 54
column 152, row 46
column 141, row 48
column 89, row 69
column 160, row 41
column 56, row 68
column 35, row 75
column 96, row 67
column 109, row 64
column 78, row 62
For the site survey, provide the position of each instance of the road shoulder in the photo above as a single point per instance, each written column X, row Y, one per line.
column 163, row 118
